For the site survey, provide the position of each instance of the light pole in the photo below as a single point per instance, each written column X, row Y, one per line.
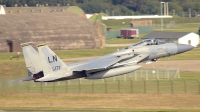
column 174, row 12
column 106, row 12
column 161, row 13
column 132, row 15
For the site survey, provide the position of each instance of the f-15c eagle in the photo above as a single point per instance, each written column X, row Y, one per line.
column 46, row 66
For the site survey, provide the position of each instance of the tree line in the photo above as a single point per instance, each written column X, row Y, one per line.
column 115, row 7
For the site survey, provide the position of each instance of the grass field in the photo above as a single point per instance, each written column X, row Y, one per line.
column 86, row 96
column 67, row 53
column 122, row 41
column 187, row 27
column 100, row 102
column 103, row 95
column 109, row 86
column 70, row 95
column 181, row 24
column 193, row 54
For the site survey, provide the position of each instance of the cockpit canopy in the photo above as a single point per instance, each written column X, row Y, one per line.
column 147, row 42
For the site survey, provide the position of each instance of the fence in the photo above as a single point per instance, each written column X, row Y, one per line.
column 148, row 81
column 159, row 86
column 112, row 34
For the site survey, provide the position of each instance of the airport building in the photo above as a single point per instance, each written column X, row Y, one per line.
column 188, row 38
column 61, row 28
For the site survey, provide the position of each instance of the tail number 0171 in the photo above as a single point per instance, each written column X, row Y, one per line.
column 55, row 68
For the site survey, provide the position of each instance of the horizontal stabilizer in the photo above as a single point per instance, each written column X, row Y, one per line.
column 29, row 78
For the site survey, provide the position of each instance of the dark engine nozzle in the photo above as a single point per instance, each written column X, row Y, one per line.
column 38, row 75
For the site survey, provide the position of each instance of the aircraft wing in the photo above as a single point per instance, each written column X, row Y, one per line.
column 133, row 61
column 98, row 64
column 111, row 61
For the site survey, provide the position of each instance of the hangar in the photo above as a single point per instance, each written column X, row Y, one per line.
column 61, row 27
column 175, row 37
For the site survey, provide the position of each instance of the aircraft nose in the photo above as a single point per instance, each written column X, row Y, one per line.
column 183, row 48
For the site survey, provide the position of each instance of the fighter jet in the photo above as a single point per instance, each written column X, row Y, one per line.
column 46, row 66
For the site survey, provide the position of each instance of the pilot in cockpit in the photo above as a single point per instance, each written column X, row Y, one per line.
column 152, row 42
column 147, row 42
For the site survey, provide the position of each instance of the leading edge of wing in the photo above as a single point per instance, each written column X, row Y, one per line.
column 99, row 63
column 132, row 61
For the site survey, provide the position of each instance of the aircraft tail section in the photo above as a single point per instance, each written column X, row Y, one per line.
column 53, row 66
column 31, row 57
column 32, row 61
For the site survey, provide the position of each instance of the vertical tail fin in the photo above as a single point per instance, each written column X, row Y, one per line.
column 32, row 59
column 53, row 66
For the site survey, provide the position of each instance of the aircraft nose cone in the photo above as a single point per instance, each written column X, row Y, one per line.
column 183, row 48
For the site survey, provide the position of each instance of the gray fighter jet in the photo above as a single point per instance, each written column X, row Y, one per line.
column 46, row 66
